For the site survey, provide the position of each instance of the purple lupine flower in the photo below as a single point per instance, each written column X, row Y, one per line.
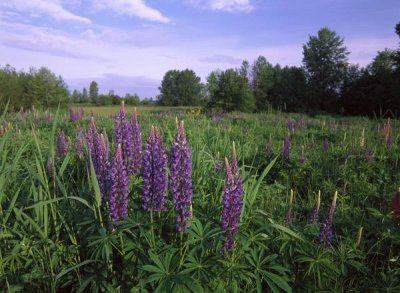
column 326, row 231
column 119, row 187
column 286, row 148
column 136, row 144
column 123, row 136
column 315, row 212
column 288, row 214
column 91, row 141
column 325, row 145
column 291, row 124
column 73, row 115
column 232, row 202
column 181, row 179
column 268, row 149
column 62, row 145
column 302, row 157
column 155, row 177
column 79, row 145
column 103, row 163
column 48, row 117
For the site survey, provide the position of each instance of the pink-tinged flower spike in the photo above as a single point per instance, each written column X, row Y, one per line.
column 232, row 202
column 103, row 163
column 155, row 176
column 326, row 231
column 286, row 148
column 315, row 212
column 136, row 144
column 288, row 215
column 123, row 136
column 181, row 179
column 62, row 145
column 119, row 187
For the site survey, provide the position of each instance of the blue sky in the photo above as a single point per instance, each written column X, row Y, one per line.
column 128, row 45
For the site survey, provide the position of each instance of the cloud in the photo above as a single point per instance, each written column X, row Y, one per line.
column 136, row 8
column 225, row 5
column 221, row 59
column 52, row 8
column 41, row 39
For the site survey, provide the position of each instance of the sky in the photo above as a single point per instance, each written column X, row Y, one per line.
column 128, row 45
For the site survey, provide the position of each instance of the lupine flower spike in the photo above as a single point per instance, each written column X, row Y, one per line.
column 155, row 180
column 288, row 215
column 326, row 231
column 315, row 212
column 232, row 204
column 123, row 136
column 286, row 148
column 119, row 187
column 136, row 144
column 181, row 179
column 62, row 145
column 103, row 164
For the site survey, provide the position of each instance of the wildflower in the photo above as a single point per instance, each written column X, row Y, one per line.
column 326, row 231
column 123, row 136
column 288, row 215
column 291, row 124
column 119, row 187
column 155, row 180
column 103, row 165
column 315, row 212
column 136, row 144
column 181, row 178
column 232, row 204
column 79, row 145
column 62, row 145
column 286, row 148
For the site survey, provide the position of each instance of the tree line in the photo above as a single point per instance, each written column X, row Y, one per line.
column 325, row 82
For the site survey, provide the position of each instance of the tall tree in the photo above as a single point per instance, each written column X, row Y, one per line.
column 180, row 88
column 262, row 79
column 94, row 92
column 230, row 91
column 325, row 61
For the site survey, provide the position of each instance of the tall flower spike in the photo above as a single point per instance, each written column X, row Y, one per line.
column 136, row 144
column 232, row 202
column 286, row 148
column 315, row 212
column 155, row 180
column 123, row 136
column 325, row 145
column 326, row 231
column 62, row 145
column 181, row 179
column 119, row 187
column 103, row 165
column 288, row 215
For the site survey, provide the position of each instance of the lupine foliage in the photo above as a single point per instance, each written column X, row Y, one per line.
column 57, row 234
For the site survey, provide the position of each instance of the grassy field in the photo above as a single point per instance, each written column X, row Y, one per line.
column 56, row 233
column 112, row 110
